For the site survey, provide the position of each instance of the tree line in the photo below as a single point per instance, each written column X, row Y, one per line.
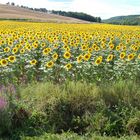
column 79, row 15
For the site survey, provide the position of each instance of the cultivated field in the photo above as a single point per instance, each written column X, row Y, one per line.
column 68, row 51
column 69, row 81
column 14, row 12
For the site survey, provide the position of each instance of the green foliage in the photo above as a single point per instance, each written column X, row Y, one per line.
column 78, row 15
column 72, row 136
column 124, row 20
column 82, row 108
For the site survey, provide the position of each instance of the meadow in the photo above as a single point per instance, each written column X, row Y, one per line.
column 74, row 79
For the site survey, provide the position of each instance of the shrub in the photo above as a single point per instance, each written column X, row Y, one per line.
column 133, row 124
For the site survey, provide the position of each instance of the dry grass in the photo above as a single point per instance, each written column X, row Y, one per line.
column 13, row 12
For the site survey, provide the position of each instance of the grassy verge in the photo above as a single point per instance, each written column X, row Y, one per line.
column 14, row 19
column 111, row 110
column 70, row 136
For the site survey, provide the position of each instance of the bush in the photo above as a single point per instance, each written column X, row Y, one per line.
column 12, row 114
column 82, row 108
column 133, row 124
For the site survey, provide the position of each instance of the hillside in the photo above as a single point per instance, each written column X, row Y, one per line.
column 124, row 20
column 13, row 12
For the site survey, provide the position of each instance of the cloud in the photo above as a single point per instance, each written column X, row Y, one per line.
column 40, row 3
column 105, row 9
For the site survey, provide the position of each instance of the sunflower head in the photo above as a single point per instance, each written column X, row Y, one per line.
column 55, row 56
column 12, row 59
column 33, row 62
column 99, row 60
column 68, row 66
column 79, row 58
column 131, row 56
column 109, row 58
column 4, row 62
column 67, row 55
column 50, row 64
column 7, row 49
column 122, row 55
column 87, row 57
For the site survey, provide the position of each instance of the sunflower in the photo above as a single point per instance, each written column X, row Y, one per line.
column 10, row 43
column 111, row 46
column 43, row 45
column 22, row 51
column 12, row 59
column 87, row 57
column 35, row 45
column 110, row 57
column 90, row 50
column 136, row 48
column 98, row 60
column 122, row 55
column 50, row 64
column 33, row 62
column 4, row 62
column 124, row 48
column 68, row 66
column 131, row 56
column 139, row 56
column 97, row 48
column 15, row 50
column 7, row 49
column 84, row 47
column 28, row 47
column 46, row 51
column 79, row 58
column 67, row 55
column 118, row 48
column 55, row 56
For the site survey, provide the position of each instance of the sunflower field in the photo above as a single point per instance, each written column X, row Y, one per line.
column 60, row 52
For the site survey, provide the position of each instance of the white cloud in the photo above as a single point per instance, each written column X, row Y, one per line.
column 39, row 3
column 102, row 8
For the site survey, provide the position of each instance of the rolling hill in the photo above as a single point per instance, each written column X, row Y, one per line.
column 9, row 12
column 124, row 20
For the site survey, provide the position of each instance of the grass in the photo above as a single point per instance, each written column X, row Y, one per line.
column 15, row 19
column 70, row 136
column 50, row 111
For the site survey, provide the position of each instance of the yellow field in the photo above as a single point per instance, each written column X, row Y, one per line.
column 92, row 52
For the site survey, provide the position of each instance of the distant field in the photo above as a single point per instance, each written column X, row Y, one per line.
column 17, row 13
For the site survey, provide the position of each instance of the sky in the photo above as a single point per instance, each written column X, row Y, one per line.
column 98, row 8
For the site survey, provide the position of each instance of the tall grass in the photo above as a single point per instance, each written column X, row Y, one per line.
column 83, row 108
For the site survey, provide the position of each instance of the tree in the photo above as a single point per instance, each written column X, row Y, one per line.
column 12, row 3
column 8, row 3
